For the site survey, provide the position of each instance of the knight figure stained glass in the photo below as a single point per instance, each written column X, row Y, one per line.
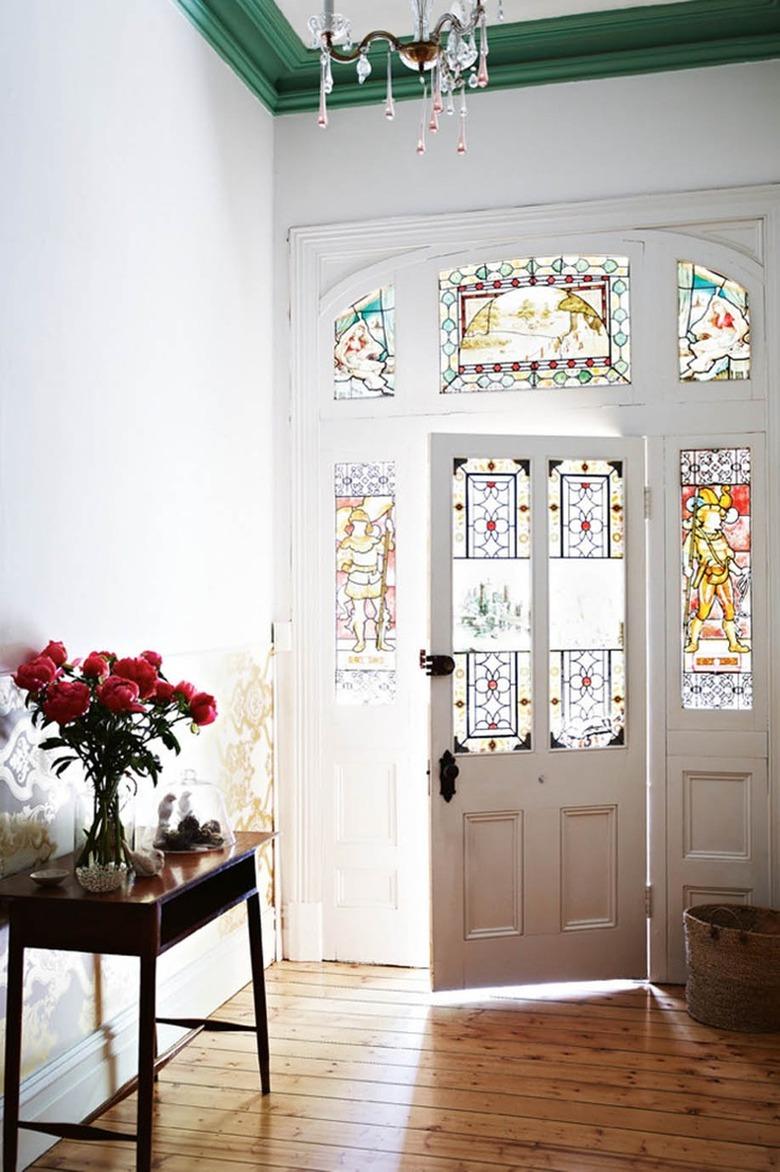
column 491, row 637
column 541, row 322
column 587, row 604
column 716, row 578
column 365, row 583
column 364, row 348
column 714, row 325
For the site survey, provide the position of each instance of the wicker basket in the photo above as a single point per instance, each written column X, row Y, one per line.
column 733, row 956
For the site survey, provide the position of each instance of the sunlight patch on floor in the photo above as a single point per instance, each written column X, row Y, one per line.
column 551, row 992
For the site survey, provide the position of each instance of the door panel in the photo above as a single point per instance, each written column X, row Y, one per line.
column 538, row 861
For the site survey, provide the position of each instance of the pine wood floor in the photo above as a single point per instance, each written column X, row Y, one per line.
column 371, row 1074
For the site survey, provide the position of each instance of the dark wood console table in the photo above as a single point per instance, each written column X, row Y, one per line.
column 143, row 919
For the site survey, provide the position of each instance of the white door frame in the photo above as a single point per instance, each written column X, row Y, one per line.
column 324, row 262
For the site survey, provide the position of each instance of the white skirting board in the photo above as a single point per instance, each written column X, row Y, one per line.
column 76, row 1083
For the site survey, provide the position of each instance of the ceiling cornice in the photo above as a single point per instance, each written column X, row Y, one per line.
column 259, row 44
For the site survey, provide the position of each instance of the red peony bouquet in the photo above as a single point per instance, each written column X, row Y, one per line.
column 110, row 714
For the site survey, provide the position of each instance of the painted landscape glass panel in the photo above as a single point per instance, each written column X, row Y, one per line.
column 714, row 325
column 365, row 583
column 587, row 604
column 716, row 578
column 540, row 322
column 364, row 347
column 491, row 605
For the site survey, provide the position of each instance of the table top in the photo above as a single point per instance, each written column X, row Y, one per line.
column 180, row 872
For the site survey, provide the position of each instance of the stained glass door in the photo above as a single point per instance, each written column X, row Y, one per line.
column 537, row 588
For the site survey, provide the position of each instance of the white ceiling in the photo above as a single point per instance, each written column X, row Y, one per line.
column 395, row 15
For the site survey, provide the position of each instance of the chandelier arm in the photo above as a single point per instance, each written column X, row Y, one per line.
column 368, row 40
column 448, row 20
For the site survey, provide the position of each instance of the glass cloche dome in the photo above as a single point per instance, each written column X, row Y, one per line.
column 190, row 816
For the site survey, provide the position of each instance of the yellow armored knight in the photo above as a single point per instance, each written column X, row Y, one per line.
column 710, row 564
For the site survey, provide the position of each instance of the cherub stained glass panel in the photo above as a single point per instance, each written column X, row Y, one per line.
column 364, row 347
column 540, row 322
column 365, row 583
column 714, row 325
column 587, row 604
column 716, row 578
column 491, row 636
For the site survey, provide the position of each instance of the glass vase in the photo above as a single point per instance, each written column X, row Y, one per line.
column 100, row 830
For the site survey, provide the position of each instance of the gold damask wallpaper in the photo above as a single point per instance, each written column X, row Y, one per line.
column 69, row 995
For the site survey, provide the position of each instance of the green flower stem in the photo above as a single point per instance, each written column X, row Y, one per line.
column 103, row 841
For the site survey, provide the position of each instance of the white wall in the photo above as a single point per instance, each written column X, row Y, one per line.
column 135, row 333
column 135, row 435
column 585, row 140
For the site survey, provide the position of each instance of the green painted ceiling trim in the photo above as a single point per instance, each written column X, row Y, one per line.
column 256, row 40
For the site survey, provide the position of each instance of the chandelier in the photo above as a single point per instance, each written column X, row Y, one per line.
column 449, row 57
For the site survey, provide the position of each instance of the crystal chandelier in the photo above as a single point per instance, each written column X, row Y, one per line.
column 446, row 56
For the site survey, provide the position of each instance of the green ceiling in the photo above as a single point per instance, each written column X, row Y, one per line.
column 255, row 39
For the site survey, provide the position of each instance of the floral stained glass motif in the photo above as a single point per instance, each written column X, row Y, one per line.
column 714, row 325
column 364, row 348
column 587, row 604
column 542, row 322
column 716, row 578
column 491, row 637
column 365, row 583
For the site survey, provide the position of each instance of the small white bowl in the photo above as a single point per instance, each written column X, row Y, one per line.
column 50, row 877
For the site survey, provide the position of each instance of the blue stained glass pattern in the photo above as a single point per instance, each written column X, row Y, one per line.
column 714, row 325
column 364, row 348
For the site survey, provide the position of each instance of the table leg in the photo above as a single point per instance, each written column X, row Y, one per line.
column 258, row 990
column 146, row 1048
column 13, row 1052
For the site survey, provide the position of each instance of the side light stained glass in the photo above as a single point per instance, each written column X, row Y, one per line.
column 587, row 604
column 364, row 348
column 491, row 605
column 714, row 325
column 542, row 322
column 365, row 584
column 716, row 579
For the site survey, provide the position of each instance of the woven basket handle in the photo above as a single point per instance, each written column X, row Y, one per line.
column 730, row 910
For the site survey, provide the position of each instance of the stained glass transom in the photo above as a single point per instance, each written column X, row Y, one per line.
column 364, row 347
column 587, row 604
column 491, row 635
column 365, row 583
column 714, row 327
column 716, row 578
column 539, row 322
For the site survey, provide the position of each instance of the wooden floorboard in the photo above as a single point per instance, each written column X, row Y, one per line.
column 372, row 1073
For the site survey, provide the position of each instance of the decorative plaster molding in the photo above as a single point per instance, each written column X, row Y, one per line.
column 258, row 43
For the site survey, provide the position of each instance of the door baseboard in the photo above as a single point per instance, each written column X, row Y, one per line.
column 302, row 931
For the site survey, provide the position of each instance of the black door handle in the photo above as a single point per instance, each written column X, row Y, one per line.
column 437, row 665
column 448, row 771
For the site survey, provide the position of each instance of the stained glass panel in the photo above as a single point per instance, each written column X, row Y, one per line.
column 365, row 583
column 364, row 347
column 491, row 635
column 539, row 322
column 714, row 325
column 716, row 578
column 587, row 604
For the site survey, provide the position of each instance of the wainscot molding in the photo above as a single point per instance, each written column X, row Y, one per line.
column 78, row 1082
